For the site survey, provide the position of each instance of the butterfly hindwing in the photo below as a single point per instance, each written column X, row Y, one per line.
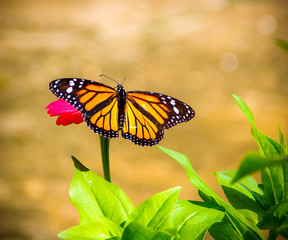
column 140, row 128
column 96, row 101
column 165, row 110
column 105, row 121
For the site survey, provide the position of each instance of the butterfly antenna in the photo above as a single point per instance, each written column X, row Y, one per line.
column 103, row 75
column 123, row 80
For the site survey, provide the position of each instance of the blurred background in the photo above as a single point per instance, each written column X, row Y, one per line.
column 198, row 51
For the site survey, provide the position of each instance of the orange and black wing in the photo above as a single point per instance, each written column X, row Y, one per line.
column 147, row 114
column 97, row 102
column 140, row 127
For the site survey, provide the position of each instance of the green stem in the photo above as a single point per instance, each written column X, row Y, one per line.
column 104, row 143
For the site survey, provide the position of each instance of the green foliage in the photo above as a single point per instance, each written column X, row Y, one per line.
column 252, row 162
column 272, row 160
column 236, row 224
column 282, row 44
column 272, row 176
column 101, row 229
column 137, row 231
column 91, row 202
column 276, row 219
column 188, row 215
column 154, row 210
column 105, row 212
column 245, row 195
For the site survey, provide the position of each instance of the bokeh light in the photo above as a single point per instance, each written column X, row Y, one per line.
column 229, row 62
column 267, row 24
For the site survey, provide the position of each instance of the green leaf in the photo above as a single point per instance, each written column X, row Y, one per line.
column 244, row 108
column 192, row 175
column 276, row 219
column 268, row 147
column 136, row 231
column 285, row 170
column 152, row 212
column 243, row 226
column 191, row 220
column 227, row 231
column 93, row 196
column 282, row 44
column 244, row 195
column 101, row 229
column 253, row 162
column 224, row 230
column 206, row 198
column 272, row 177
column 282, row 139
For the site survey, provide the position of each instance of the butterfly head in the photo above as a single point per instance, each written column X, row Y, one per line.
column 120, row 88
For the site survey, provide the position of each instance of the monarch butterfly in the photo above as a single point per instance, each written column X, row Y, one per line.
column 141, row 116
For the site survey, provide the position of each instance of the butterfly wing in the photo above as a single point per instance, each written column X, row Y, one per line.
column 166, row 110
column 97, row 102
column 139, row 127
column 149, row 113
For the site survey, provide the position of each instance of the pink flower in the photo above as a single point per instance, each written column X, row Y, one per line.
column 67, row 113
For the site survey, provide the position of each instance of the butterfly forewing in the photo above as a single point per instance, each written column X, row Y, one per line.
column 165, row 110
column 96, row 101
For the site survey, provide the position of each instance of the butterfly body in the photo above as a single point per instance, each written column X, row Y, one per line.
column 121, row 101
column 141, row 116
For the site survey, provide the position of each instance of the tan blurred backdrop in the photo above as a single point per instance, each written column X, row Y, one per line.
column 198, row 51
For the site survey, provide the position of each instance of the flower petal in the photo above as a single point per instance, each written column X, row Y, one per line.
column 60, row 106
column 67, row 113
column 69, row 118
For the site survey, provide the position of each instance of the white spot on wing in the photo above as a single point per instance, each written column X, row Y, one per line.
column 69, row 90
column 176, row 110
